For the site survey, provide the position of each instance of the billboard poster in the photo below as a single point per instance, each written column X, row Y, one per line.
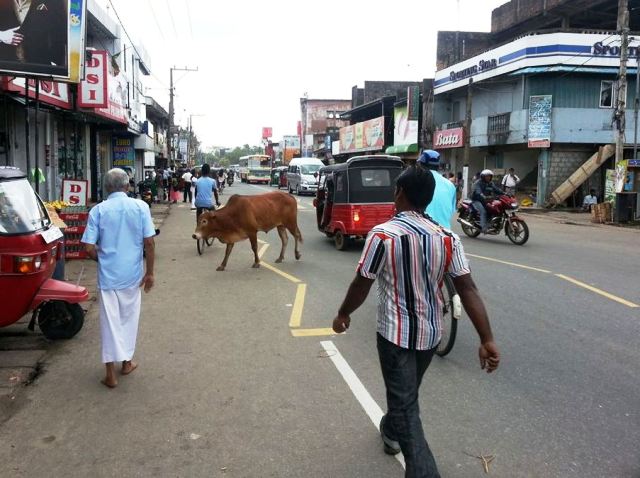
column 51, row 92
column 365, row 136
column 43, row 38
column 267, row 132
column 406, row 130
column 539, row 130
column 290, row 142
column 610, row 186
column 621, row 175
column 124, row 153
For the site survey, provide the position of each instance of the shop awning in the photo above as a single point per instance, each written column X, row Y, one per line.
column 402, row 149
column 570, row 69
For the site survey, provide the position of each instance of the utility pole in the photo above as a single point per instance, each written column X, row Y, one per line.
column 467, row 124
column 623, row 28
column 172, row 109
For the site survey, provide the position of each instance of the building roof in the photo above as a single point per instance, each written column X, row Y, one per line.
column 362, row 108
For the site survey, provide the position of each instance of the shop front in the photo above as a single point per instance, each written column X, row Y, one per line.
column 405, row 133
column 366, row 137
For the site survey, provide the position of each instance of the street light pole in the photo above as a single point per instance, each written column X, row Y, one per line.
column 623, row 27
column 172, row 156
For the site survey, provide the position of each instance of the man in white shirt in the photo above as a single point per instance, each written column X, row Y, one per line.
column 589, row 201
column 510, row 181
column 186, row 179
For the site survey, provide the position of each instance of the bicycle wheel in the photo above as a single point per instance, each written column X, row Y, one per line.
column 200, row 244
column 450, row 316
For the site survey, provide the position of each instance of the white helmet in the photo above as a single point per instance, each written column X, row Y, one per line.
column 486, row 172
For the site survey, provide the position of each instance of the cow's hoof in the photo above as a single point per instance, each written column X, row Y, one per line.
column 220, row 268
column 256, row 266
column 298, row 256
column 279, row 260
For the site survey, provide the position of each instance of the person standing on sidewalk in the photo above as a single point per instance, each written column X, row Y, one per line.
column 119, row 230
column 186, row 178
column 510, row 181
column 409, row 256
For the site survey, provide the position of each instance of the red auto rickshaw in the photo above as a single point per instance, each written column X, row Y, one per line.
column 355, row 196
column 30, row 246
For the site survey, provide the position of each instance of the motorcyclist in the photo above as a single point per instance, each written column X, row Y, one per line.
column 443, row 205
column 483, row 189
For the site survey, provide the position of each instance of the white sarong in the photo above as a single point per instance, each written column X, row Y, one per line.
column 119, row 316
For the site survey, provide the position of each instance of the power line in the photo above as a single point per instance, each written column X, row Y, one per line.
column 189, row 18
column 125, row 30
column 173, row 23
column 155, row 18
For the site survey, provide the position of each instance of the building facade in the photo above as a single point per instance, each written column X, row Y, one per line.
column 320, row 125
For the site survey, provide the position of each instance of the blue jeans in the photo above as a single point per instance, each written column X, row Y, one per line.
column 402, row 370
column 478, row 206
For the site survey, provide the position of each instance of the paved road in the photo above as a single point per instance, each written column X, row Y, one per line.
column 224, row 389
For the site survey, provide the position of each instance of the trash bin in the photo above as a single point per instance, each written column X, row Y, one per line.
column 625, row 210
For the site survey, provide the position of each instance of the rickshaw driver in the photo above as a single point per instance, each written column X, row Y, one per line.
column 443, row 206
column 206, row 187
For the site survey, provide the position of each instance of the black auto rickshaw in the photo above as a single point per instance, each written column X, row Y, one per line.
column 355, row 196
column 279, row 177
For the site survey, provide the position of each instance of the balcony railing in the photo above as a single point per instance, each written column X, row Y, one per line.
column 498, row 128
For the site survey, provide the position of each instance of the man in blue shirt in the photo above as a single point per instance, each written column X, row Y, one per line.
column 119, row 230
column 206, row 187
column 443, row 205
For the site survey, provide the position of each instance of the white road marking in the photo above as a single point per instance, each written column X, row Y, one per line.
column 365, row 399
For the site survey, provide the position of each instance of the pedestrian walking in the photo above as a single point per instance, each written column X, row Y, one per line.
column 118, row 231
column 409, row 256
column 510, row 181
column 194, row 180
column 187, row 194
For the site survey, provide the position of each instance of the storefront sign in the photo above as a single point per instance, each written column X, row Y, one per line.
column 75, row 191
column 601, row 49
column 267, row 132
column 449, row 138
column 123, row 152
column 51, row 92
column 405, row 130
column 365, row 136
column 413, row 103
column 634, row 163
column 92, row 91
column 539, row 132
column 482, row 66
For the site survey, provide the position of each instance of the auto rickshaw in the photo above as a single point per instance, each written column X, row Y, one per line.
column 355, row 196
column 279, row 177
column 30, row 246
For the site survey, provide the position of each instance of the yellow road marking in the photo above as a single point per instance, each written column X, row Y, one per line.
column 298, row 306
column 289, row 277
column 522, row 266
column 312, row 332
column 598, row 291
column 263, row 249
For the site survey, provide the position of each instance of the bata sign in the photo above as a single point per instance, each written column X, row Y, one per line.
column 449, row 138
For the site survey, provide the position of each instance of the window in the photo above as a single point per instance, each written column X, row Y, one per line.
column 330, row 114
column 375, row 178
column 607, row 94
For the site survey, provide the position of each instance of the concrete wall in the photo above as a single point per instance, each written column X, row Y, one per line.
column 374, row 90
column 563, row 163
column 454, row 47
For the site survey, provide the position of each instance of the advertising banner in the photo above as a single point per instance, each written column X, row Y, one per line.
column 290, row 142
column 124, row 153
column 539, row 132
column 365, row 136
column 92, row 91
column 51, row 92
column 449, row 138
column 621, row 175
column 267, row 132
column 406, row 130
column 43, row 38
column 610, row 186
column 75, row 191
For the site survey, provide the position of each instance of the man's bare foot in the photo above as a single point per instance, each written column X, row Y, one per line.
column 128, row 366
column 107, row 382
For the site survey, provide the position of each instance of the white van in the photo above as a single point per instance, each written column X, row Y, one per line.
column 302, row 175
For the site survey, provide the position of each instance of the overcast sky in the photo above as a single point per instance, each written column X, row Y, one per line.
column 257, row 58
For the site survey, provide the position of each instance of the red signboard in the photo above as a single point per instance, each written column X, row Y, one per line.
column 267, row 132
column 92, row 91
column 51, row 92
column 449, row 138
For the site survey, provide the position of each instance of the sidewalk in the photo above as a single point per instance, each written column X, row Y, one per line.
column 572, row 217
column 23, row 353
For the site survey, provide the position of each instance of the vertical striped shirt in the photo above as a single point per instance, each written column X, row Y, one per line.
column 408, row 255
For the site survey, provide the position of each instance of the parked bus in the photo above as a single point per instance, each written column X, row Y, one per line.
column 255, row 168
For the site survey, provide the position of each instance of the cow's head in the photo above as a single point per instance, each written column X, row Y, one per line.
column 207, row 225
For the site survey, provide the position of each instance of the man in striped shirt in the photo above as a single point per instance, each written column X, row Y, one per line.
column 409, row 256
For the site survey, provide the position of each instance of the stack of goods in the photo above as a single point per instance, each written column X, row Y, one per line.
column 601, row 213
column 75, row 218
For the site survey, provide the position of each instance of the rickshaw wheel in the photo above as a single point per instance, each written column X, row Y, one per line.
column 60, row 320
column 341, row 241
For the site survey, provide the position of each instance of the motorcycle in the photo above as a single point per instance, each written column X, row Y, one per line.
column 145, row 192
column 229, row 180
column 501, row 215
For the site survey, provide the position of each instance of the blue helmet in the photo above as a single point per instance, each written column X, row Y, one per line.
column 429, row 157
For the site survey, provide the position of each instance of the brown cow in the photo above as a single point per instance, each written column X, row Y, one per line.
column 243, row 216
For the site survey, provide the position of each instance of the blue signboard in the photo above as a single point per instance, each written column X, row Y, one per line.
column 124, row 153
